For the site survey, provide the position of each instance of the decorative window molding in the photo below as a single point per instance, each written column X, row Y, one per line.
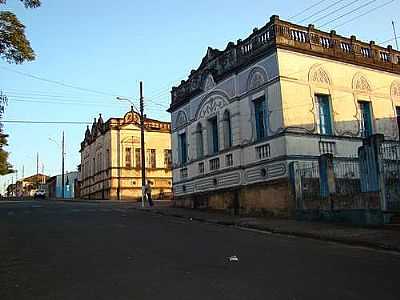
column 361, row 83
column 395, row 90
column 211, row 105
column 319, row 75
column 257, row 77
column 181, row 119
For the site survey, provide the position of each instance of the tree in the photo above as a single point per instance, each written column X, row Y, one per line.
column 14, row 48
column 14, row 45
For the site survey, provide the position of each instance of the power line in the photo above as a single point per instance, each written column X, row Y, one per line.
column 366, row 13
column 322, row 10
column 335, row 11
column 57, row 82
column 45, row 122
column 350, row 12
column 307, row 9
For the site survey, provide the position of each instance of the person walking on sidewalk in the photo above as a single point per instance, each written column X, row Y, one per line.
column 147, row 191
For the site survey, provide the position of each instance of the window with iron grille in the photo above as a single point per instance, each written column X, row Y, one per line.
column 214, row 164
column 201, row 168
column 263, row 151
column 327, row 147
column 229, row 160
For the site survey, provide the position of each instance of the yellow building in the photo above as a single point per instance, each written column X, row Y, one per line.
column 111, row 161
column 286, row 93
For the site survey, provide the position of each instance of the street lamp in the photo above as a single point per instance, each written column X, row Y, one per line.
column 142, row 117
column 62, row 161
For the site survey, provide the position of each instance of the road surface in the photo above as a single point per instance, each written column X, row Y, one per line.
column 58, row 250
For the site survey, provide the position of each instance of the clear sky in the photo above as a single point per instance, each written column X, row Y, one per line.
column 109, row 46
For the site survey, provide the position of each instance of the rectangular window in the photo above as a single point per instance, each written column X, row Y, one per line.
column 137, row 158
column 263, row 151
column 229, row 160
column 214, row 164
column 128, row 158
column 182, row 148
column 201, row 168
column 325, row 119
column 167, row 158
column 365, row 118
column 153, row 159
column 398, row 118
column 260, row 117
column 214, row 135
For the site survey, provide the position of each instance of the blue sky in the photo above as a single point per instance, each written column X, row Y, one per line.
column 109, row 46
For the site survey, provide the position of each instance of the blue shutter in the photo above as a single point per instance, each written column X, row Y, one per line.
column 182, row 148
column 214, row 128
column 325, row 119
column 260, row 115
column 366, row 119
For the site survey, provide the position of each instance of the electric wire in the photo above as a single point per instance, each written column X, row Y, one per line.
column 365, row 13
column 349, row 12
column 322, row 10
column 307, row 9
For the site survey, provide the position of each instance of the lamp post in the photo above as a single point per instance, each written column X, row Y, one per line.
column 142, row 150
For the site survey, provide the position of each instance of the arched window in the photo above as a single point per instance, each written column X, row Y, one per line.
column 199, row 141
column 227, row 130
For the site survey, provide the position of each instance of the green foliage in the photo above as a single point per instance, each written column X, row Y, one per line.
column 14, row 48
column 14, row 45
column 5, row 166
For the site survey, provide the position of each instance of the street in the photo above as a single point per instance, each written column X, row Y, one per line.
column 60, row 250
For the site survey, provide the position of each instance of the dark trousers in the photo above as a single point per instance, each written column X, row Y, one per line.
column 149, row 199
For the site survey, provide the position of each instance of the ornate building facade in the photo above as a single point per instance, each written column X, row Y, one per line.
column 285, row 93
column 111, row 160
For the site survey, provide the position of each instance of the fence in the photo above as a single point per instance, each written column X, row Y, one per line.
column 369, row 181
column 390, row 170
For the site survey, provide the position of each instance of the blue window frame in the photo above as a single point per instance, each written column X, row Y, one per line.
column 260, row 116
column 183, row 148
column 325, row 118
column 214, row 135
column 365, row 118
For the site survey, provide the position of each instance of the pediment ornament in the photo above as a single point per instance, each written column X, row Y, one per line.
column 181, row 119
column 209, row 83
column 211, row 106
column 362, row 84
column 395, row 90
column 319, row 75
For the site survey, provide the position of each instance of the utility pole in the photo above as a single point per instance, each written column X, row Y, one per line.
column 37, row 169
column 23, row 171
column 62, row 165
column 142, row 141
column 395, row 36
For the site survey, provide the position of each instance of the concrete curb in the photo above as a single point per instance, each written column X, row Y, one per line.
column 272, row 230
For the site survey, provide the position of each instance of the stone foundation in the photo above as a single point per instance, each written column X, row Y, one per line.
column 272, row 198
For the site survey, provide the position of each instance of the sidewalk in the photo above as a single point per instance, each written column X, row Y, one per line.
column 377, row 238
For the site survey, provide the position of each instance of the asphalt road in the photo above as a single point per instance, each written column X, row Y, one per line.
column 112, row 251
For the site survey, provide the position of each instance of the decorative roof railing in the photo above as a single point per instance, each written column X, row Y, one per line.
column 281, row 34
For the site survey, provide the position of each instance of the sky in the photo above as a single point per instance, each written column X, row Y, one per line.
column 89, row 52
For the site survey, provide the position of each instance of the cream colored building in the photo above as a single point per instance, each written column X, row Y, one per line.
column 111, row 160
column 285, row 93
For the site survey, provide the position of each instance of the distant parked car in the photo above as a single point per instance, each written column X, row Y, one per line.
column 39, row 194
